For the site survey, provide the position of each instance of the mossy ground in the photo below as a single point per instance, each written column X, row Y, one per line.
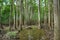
column 33, row 34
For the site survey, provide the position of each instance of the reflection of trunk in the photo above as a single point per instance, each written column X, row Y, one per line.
column 56, row 20
column 39, row 15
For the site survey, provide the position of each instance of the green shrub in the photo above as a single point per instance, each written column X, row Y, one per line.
column 34, row 33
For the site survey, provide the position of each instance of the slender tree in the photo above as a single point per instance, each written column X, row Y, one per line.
column 45, row 13
column 1, row 14
column 56, row 20
column 39, row 14
column 11, row 11
column 52, row 14
column 21, row 14
column 0, row 17
column 49, row 13
column 17, row 14
column 26, row 12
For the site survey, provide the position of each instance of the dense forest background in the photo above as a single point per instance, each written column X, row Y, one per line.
column 29, row 19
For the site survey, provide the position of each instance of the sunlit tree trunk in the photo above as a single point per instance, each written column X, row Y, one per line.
column 39, row 15
column 56, row 20
column 26, row 12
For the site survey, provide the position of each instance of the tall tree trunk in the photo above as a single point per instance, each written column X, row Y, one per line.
column 45, row 14
column 1, row 16
column 56, row 21
column 10, row 15
column 52, row 15
column 17, row 14
column 31, row 12
column 26, row 12
column 49, row 14
column 21, row 14
column 39, row 15
column 59, row 16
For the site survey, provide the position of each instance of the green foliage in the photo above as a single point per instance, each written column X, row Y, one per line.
column 5, row 13
column 0, row 1
column 12, row 34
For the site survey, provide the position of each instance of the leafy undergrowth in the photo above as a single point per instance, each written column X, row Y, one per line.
column 32, row 34
column 27, row 34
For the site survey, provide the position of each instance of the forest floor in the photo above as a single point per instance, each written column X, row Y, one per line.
column 49, row 34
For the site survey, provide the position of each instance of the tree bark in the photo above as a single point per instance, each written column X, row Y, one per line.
column 39, row 15
column 49, row 21
column 56, row 20
column 11, row 11
column 21, row 14
column 1, row 27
